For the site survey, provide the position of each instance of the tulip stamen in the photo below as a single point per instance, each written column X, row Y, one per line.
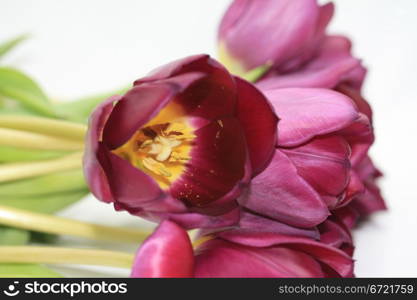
column 161, row 150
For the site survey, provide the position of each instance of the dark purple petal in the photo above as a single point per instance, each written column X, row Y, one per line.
column 219, row 258
column 259, row 122
column 93, row 171
column 211, row 98
column 217, row 164
column 133, row 189
column 371, row 201
column 347, row 215
column 334, row 258
column 336, row 235
column 141, row 104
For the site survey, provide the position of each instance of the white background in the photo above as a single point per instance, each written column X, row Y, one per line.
column 83, row 47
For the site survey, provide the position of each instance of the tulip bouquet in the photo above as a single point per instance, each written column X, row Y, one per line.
column 262, row 155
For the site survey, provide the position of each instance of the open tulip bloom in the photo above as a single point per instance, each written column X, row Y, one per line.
column 181, row 144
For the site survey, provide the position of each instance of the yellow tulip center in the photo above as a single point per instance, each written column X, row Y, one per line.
column 161, row 147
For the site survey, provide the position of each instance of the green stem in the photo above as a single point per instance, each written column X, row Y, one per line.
column 15, row 171
column 59, row 182
column 31, row 140
column 14, row 154
column 57, row 225
column 47, row 126
column 57, row 255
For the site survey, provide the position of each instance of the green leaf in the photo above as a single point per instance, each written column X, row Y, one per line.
column 10, row 44
column 80, row 110
column 44, row 204
column 60, row 182
column 13, row 154
column 18, row 86
column 27, row 271
column 13, row 236
column 10, row 107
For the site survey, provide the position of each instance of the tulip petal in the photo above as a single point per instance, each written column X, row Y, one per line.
column 334, row 258
column 331, row 65
column 305, row 113
column 93, row 171
column 355, row 95
column 324, row 164
column 195, row 220
column 211, row 98
column 219, row 258
column 259, row 123
column 270, row 38
column 336, row 235
column 371, row 201
column 353, row 190
column 216, row 166
column 253, row 222
column 166, row 253
column 347, row 215
column 134, row 190
column 360, row 136
column 141, row 104
column 281, row 194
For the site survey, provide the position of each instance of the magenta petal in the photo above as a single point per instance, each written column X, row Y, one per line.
column 141, row 104
column 251, row 222
column 211, row 98
column 217, row 164
column 280, row 193
column 336, row 235
column 305, row 113
column 133, row 189
column 259, row 123
column 93, row 171
column 166, row 253
column 360, row 136
column 347, row 215
column 336, row 259
column 324, row 164
column 254, row 43
column 371, row 201
column 219, row 258
column 331, row 65
column 194, row 63
column 354, row 188
column 192, row 220
column 355, row 95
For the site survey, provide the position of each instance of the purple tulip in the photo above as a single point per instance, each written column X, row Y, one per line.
column 322, row 137
column 168, row 252
column 288, row 35
column 180, row 144
column 282, row 32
